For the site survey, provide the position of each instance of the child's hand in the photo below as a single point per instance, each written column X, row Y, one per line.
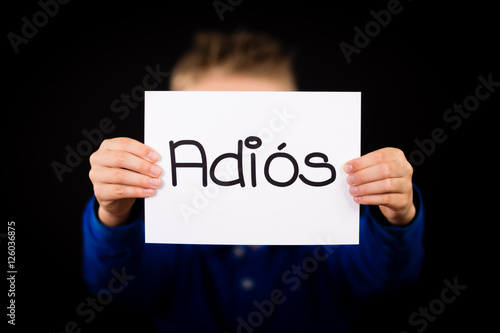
column 383, row 178
column 122, row 170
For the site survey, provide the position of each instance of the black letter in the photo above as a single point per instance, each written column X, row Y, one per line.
column 253, row 142
column 239, row 158
column 330, row 167
column 284, row 155
column 175, row 165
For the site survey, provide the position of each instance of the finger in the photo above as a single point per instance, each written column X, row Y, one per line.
column 125, row 160
column 387, row 185
column 373, row 158
column 376, row 172
column 131, row 146
column 123, row 177
column 118, row 191
column 387, row 199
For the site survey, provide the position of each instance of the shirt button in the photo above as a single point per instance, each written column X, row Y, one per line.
column 238, row 251
column 247, row 283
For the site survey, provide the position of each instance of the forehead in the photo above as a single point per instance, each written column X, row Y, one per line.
column 223, row 81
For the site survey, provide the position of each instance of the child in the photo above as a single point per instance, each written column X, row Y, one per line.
column 198, row 288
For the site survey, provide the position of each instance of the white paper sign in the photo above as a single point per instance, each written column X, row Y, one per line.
column 261, row 168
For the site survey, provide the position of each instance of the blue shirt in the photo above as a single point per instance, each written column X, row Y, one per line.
column 201, row 288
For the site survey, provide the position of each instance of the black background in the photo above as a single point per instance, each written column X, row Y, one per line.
column 428, row 58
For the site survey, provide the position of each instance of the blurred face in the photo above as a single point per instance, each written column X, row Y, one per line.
column 224, row 81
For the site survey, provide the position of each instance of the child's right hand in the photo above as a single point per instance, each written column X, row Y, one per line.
column 122, row 169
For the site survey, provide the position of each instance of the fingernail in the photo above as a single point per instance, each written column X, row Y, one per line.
column 350, row 179
column 353, row 189
column 153, row 156
column 154, row 181
column 155, row 170
column 348, row 168
column 149, row 191
column 357, row 199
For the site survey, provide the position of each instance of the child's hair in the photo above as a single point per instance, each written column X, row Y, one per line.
column 239, row 52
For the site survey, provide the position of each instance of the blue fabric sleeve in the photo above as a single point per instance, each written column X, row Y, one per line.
column 115, row 257
column 387, row 257
column 108, row 248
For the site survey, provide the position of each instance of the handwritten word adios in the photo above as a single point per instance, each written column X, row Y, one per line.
column 252, row 142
